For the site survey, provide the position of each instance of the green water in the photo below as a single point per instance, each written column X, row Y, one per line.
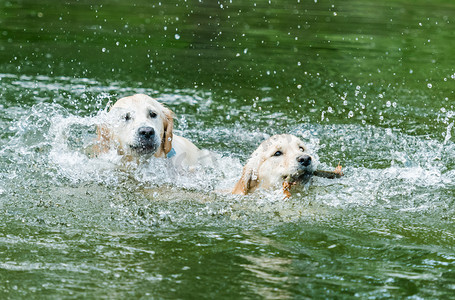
column 367, row 84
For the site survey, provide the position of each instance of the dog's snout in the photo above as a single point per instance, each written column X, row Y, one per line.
column 304, row 160
column 146, row 132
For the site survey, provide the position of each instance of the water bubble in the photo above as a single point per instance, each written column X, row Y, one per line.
column 177, row 36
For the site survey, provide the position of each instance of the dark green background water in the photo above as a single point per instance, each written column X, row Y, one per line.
column 366, row 83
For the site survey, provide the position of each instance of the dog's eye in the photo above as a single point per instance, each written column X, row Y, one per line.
column 302, row 149
column 278, row 153
column 152, row 114
column 127, row 117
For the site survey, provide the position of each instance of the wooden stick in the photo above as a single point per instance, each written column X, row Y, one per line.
column 328, row 174
column 337, row 173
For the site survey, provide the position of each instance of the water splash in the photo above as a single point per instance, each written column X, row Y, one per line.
column 385, row 169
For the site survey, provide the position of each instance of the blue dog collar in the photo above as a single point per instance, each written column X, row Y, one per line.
column 171, row 153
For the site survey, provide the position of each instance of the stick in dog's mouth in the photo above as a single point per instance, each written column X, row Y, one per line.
column 291, row 180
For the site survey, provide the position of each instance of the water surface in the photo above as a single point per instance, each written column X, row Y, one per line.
column 367, row 84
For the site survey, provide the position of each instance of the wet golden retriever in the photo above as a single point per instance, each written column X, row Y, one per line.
column 141, row 126
column 281, row 158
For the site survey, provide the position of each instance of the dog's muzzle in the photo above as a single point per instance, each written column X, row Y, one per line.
column 305, row 170
column 146, row 140
column 304, row 161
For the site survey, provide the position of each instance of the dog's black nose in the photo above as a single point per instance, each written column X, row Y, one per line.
column 304, row 160
column 146, row 132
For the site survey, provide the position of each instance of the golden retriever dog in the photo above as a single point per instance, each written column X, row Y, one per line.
column 140, row 126
column 281, row 158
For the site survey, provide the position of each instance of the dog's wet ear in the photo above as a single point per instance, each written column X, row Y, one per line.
column 247, row 182
column 103, row 140
column 168, row 125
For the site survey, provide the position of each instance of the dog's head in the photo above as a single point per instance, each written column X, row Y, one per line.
column 280, row 158
column 137, row 125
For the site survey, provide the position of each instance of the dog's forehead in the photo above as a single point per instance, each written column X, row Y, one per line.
column 137, row 104
column 282, row 140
